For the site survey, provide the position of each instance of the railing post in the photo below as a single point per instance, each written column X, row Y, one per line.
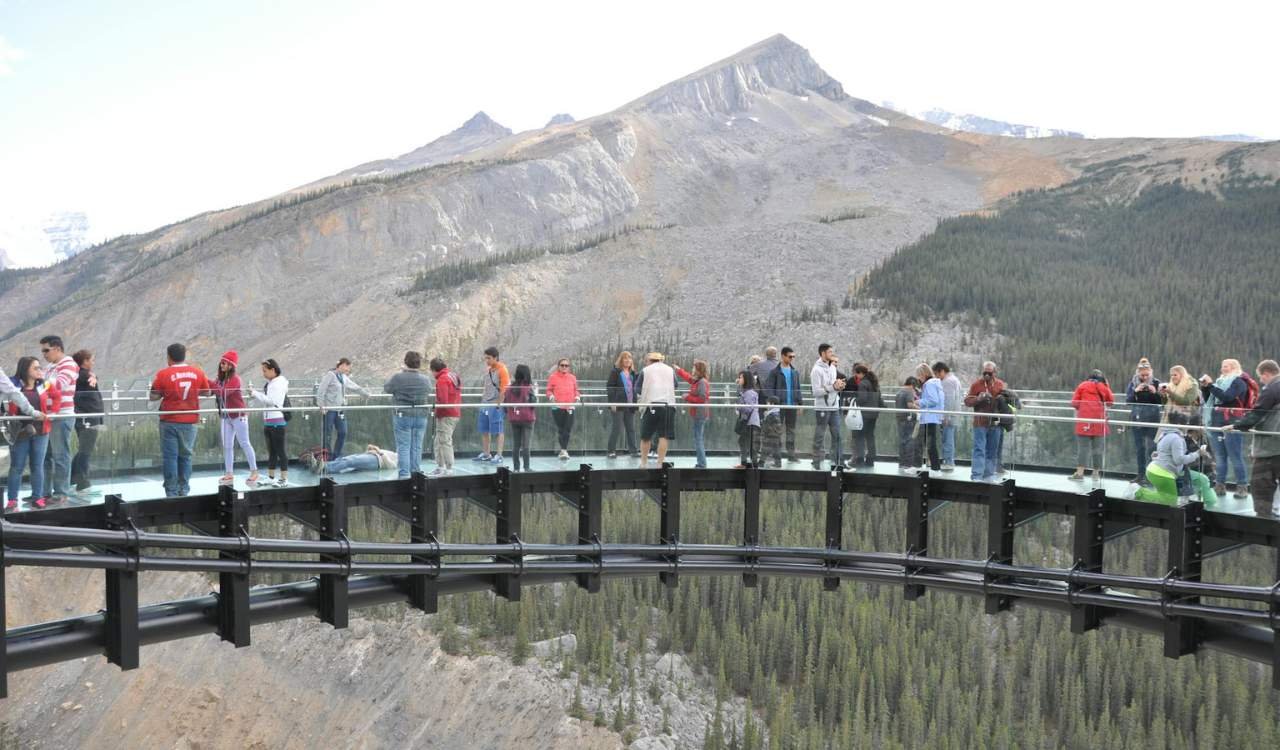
column 233, row 588
column 424, row 527
column 1000, row 526
column 508, row 512
column 835, row 521
column 751, row 521
column 590, row 511
column 1186, row 537
column 669, row 521
column 121, row 619
column 1275, row 627
column 4, row 631
column 1087, row 537
column 917, row 532
column 333, row 528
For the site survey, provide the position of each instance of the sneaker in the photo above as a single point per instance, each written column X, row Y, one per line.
column 39, row 502
column 12, row 504
column 1130, row 490
column 739, row 466
column 776, row 464
column 437, row 473
column 284, row 482
column 792, row 460
column 226, row 480
column 817, row 465
column 496, row 459
column 56, row 499
column 1241, row 492
column 1078, row 476
column 1221, row 489
column 253, row 479
column 482, row 457
column 611, row 455
column 948, row 468
column 906, row 470
column 653, row 454
column 564, row 455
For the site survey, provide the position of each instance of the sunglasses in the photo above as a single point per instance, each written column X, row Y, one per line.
column 988, row 374
column 45, row 351
column 564, row 364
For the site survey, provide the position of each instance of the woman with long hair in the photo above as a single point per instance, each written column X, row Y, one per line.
column 31, row 437
column 229, row 397
column 697, row 396
column 521, row 417
column 621, row 389
column 867, row 396
column 274, row 420
column 748, row 425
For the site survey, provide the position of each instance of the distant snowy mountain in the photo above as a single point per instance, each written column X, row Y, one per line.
column 560, row 119
column 24, row 244
column 987, row 126
column 1233, row 138
column 68, row 233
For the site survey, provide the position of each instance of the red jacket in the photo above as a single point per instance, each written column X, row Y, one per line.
column 699, row 393
column 1090, row 402
column 981, row 405
column 49, row 398
column 229, row 395
column 448, row 391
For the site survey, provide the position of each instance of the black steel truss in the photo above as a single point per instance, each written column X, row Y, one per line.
column 116, row 535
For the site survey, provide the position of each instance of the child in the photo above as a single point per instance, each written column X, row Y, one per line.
column 771, row 433
column 906, row 399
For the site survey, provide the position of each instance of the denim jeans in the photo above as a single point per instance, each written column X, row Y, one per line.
column 1144, row 444
column 355, row 462
column 824, row 422
column 335, row 422
column 86, row 439
column 986, row 452
column 60, row 453
column 949, row 444
column 700, row 441
column 30, row 451
column 410, row 429
column 1228, row 452
column 176, row 444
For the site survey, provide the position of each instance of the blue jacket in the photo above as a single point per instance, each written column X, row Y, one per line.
column 932, row 400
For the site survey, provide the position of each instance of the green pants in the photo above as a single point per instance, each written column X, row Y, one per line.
column 1165, row 486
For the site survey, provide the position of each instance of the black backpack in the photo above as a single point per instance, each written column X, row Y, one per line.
column 288, row 415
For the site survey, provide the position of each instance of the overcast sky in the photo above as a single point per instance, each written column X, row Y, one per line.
column 143, row 112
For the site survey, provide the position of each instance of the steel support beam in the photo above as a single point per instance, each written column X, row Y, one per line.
column 1088, row 535
column 233, row 588
column 508, row 513
column 751, row 521
column 333, row 601
column 1186, row 545
column 917, row 531
column 590, row 503
column 424, row 527
column 835, row 520
column 122, row 594
column 669, row 520
column 1001, row 522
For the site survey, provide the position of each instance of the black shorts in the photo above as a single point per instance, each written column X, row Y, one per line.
column 658, row 421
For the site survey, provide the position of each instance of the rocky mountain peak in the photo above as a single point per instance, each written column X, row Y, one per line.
column 560, row 119
column 481, row 123
column 775, row 64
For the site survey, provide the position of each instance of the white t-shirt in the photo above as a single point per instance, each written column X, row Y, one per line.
column 659, row 385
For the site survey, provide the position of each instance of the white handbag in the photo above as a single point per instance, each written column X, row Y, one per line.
column 853, row 419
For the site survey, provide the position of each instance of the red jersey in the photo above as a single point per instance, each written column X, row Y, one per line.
column 180, row 387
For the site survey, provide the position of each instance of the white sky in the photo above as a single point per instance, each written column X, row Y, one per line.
column 150, row 111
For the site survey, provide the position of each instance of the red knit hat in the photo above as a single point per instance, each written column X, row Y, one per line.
column 231, row 356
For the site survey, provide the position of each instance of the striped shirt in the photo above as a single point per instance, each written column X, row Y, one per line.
column 66, row 372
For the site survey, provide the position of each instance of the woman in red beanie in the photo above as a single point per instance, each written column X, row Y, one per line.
column 235, row 423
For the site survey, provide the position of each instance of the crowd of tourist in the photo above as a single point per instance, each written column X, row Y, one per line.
column 1174, row 456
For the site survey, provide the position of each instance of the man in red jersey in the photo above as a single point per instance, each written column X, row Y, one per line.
column 178, row 388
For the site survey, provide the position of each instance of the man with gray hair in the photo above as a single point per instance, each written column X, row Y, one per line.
column 1264, row 473
column 982, row 397
column 765, row 367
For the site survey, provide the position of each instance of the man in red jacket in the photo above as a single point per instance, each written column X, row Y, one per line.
column 448, row 395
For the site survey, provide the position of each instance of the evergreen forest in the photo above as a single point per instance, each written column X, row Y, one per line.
column 1079, row 279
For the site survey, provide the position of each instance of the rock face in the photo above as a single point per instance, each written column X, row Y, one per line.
column 560, row 119
column 727, row 172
